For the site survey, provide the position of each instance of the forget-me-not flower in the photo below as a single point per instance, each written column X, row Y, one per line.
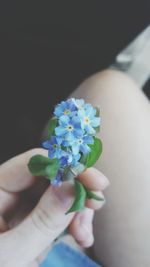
column 81, row 144
column 76, row 125
column 75, row 159
column 66, row 158
column 65, row 108
column 69, row 128
column 88, row 118
column 53, row 146
column 79, row 103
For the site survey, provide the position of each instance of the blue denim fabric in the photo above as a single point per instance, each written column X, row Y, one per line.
column 64, row 256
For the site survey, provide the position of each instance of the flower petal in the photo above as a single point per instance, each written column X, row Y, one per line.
column 85, row 149
column 75, row 148
column 89, row 129
column 95, row 122
column 81, row 113
column 59, row 140
column 69, row 136
column 64, row 120
column 88, row 139
column 58, row 111
column 60, row 131
column 78, row 132
column 51, row 152
column 46, row 144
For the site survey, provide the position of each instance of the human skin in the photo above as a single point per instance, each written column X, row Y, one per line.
column 121, row 230
column 33, row 213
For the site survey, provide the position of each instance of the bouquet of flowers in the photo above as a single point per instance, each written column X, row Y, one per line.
column 72, row 147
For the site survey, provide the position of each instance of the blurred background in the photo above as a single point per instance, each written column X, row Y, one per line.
column 47, row 48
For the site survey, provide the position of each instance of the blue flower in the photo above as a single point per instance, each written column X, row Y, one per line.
column 75, row 159
column 53, row 146
column 69, row 159
column 79, row 103
column 65, row 108
column 81, row 144
column 58, row 179
column 66, row 158
column 88, row 118
column 69, row 128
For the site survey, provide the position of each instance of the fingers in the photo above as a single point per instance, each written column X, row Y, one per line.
column 81, row 227
column 41, row 227
column 95, row 204
column 93, row 179
column 7, row 202
column 14, row 174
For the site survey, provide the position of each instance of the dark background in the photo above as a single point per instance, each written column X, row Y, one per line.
column 46, row 49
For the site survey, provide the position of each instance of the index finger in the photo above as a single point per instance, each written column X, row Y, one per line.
column 93, row 179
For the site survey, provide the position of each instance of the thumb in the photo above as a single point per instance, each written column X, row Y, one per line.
column 40, row 228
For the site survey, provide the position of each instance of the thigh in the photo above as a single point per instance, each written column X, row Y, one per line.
column 122, row 227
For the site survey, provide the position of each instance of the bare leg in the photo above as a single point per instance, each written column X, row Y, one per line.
column 122, row 227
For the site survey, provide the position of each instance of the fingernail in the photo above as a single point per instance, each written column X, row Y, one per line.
column 85, row 236
column 88, row 243
column 103, row 179
column 103, row 202
column 64, row 194
column 84, row 231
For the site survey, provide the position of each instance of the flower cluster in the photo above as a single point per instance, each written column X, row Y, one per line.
column 76, row 125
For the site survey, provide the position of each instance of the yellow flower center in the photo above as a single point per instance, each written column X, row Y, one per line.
column 86, row 120
column 66, row 111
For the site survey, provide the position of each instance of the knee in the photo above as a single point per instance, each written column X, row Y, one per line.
column 109, row 85
column 112, row 75
column 109, row 80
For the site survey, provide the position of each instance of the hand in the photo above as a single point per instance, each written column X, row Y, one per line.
column 33, row 213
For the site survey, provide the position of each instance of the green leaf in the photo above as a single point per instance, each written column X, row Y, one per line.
column 90, row 195
column 51, row 126
column 97, row 129
column 96, row 150
column 80, row 196
column 97, row 111
column 43, row 166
